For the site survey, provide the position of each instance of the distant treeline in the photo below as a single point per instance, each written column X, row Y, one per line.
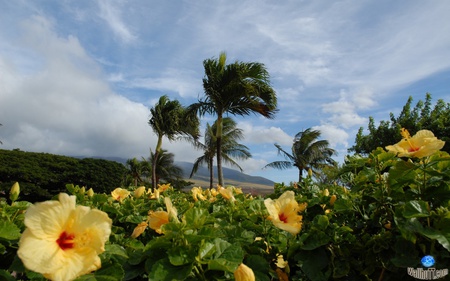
column 42, row 175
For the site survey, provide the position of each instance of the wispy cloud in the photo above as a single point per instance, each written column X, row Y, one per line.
column 112, row 16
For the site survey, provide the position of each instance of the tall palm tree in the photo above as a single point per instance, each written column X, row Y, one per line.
column 307, row 153
column 239, row 88
column 230, row 147
column 172, row 120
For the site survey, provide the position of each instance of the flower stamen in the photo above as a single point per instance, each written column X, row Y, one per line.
column 66, row 241
column 283, row 217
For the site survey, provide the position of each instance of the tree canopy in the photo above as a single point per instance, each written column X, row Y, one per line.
column 307, row 153
column 422, row 116
column 42, row 175
column 238, row 88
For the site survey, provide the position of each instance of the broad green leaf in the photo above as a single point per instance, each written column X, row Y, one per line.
column 227, row 257
column 5, row 276
column 9, row 231
column 195, row 217
column 314, row 264
column 416, row 209
column 437, row 235
column 163, row 270
column 108, row 272
column 206, row 250
column 321, row 222
column 314, row 239
column 341, row 205
column 179, row 255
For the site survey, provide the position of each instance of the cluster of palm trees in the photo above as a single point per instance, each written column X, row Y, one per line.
column 238, row 89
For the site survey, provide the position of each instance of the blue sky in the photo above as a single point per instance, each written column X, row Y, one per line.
column 77, row 77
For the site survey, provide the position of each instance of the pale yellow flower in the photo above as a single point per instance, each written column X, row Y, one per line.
column 62, row 241
column 139, row 192
column 244, row 273
column 226, row 193
column 15, row 191
column 281, row 263
column 154, row 195
column 197, row 193
column 284, row 212
column 156, row 219
column 139, row 229
column 332, row 199
column 119, row 194
column 422, row 144
column 163, row 187
column 214, row 192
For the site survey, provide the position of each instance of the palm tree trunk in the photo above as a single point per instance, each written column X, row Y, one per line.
column 155, row 161
column 211, row 172
column 219, row 149
column 300, row 175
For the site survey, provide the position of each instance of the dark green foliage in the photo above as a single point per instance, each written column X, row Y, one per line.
column 42, row 175
column 421, row 117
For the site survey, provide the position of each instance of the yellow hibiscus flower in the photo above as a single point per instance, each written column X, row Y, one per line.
column 244, row 273
column 62, row 241
column 226, row 193
column 283, row 212
column 422, row 144
column 197, row 193
column 156, row 219
column 139, row 192
column 119, row 194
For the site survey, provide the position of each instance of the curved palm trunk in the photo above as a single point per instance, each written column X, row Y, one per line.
column 219, row 150
column 155, row 160
column 300, row 175
column 211, row 171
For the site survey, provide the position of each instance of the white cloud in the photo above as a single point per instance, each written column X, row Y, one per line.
column 112, row 16
column 259, row 134
column 333, row 134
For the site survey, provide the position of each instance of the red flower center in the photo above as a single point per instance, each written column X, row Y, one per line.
column 283, row 217
column 65, row 241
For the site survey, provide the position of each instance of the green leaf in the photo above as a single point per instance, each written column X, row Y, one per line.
column 341, row 205
column 195, row 217
column 9, row 231
column 108, row 272
column 314, row 239
column 181, row 255
column 314, row 264
column 321, row 222
column 227, row 257
column 416, row 209
column 5, row 276
column 206, row 250
column 163, row 270
column 437, row 235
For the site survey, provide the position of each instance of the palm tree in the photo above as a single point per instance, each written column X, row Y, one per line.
column 135, row 169
column 239, row 88
column 307, row 153
column 230, row 147
column 165, row 169
column 172, row 120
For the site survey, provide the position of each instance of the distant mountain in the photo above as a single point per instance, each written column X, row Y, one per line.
column 254, row 184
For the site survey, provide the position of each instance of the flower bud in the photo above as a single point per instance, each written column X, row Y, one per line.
column 139, row 192
column 15, row 191
column 244, row 273
column 90, row 192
